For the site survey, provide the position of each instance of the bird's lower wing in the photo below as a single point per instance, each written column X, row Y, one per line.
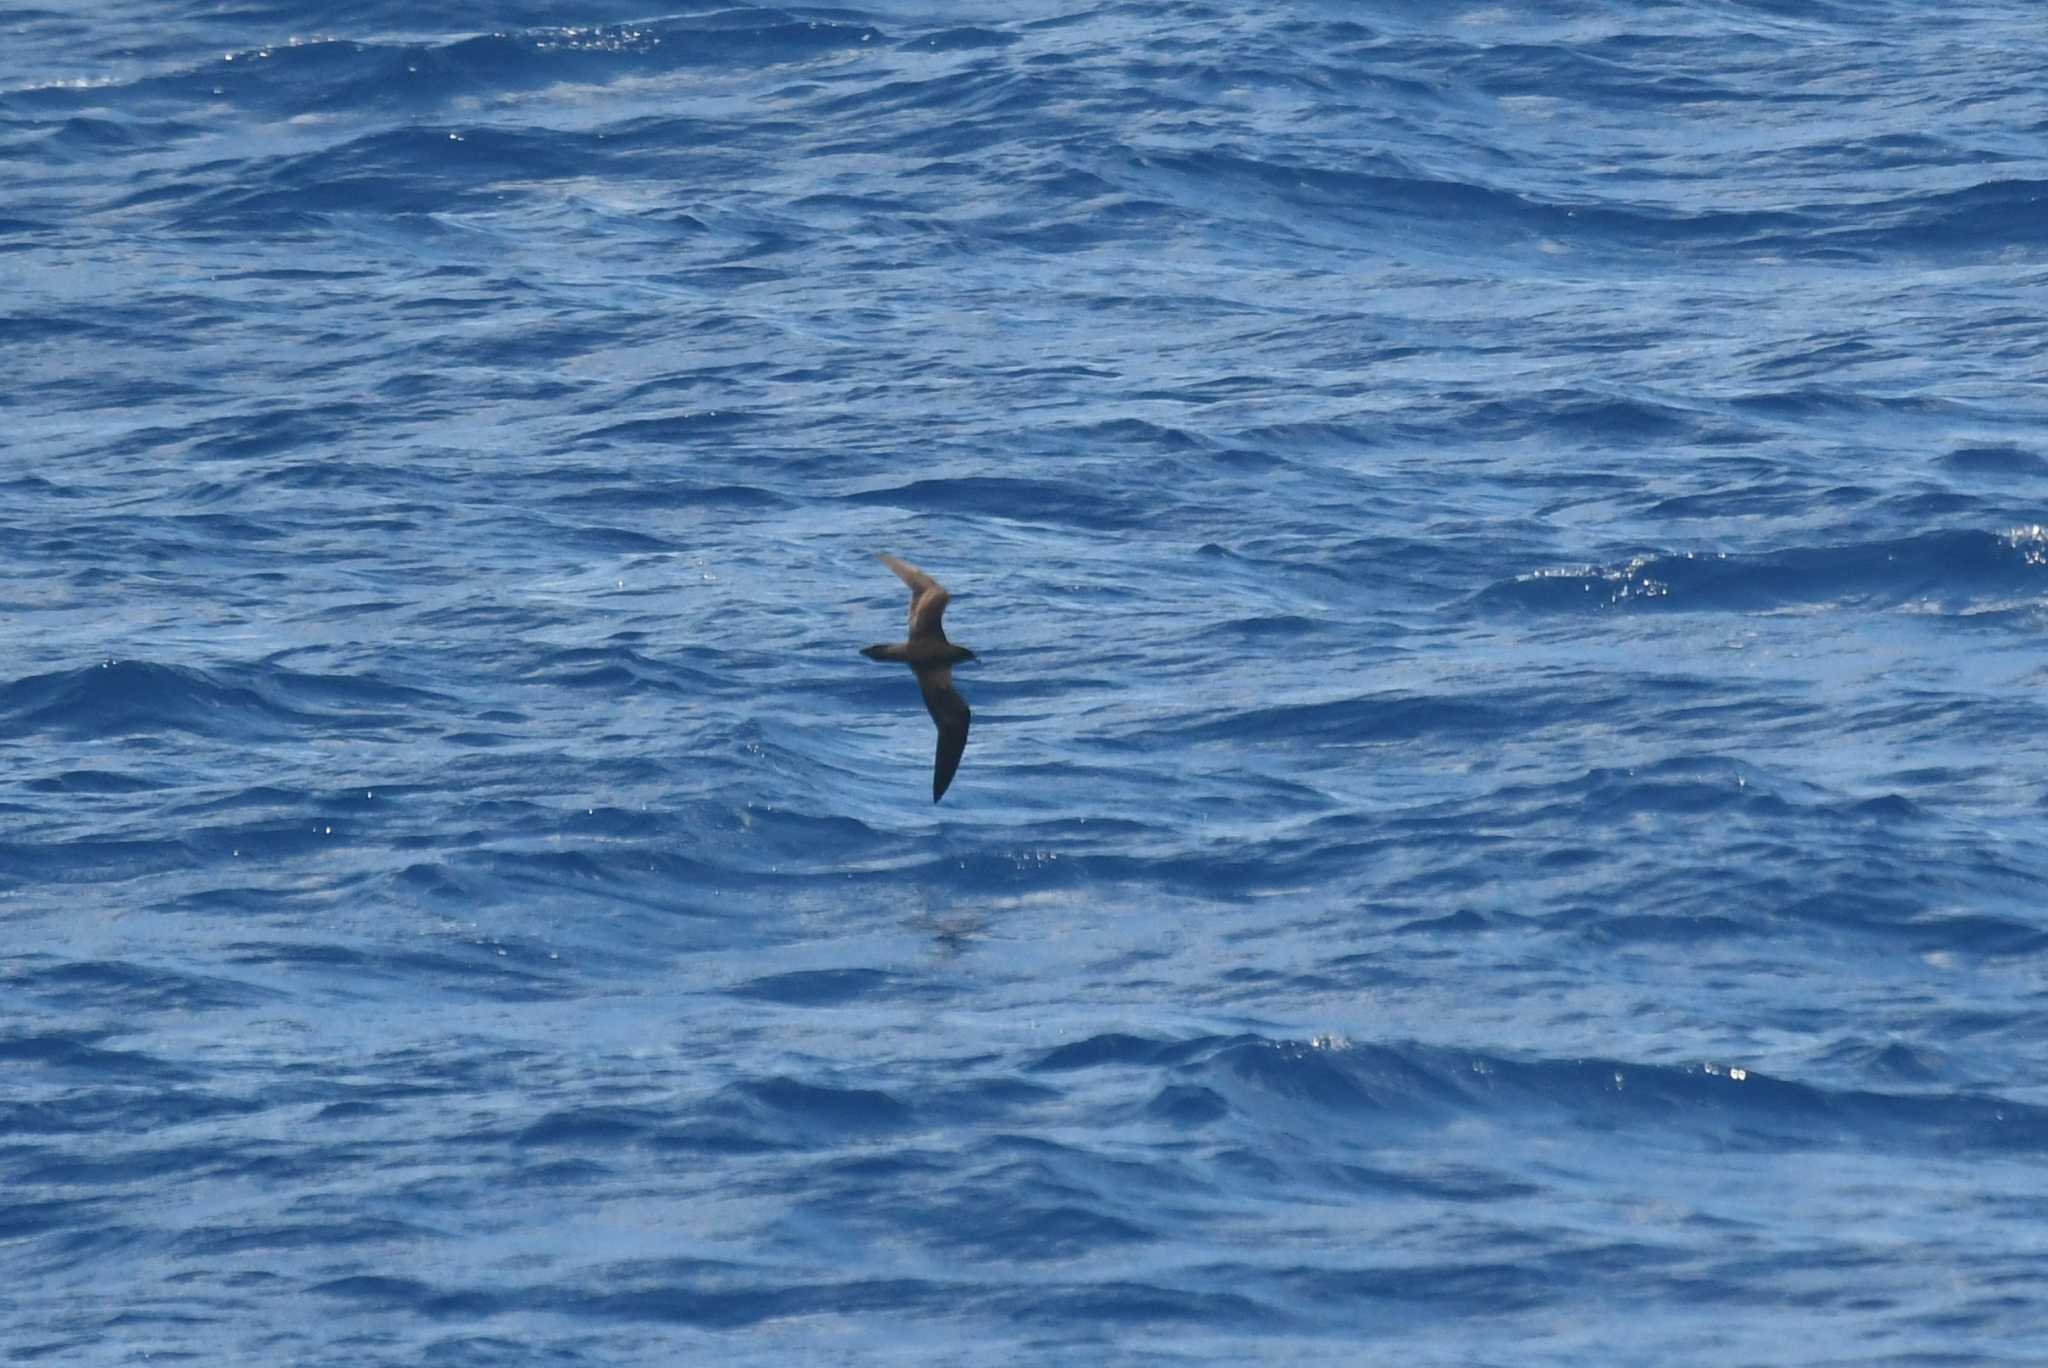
column 951, row 714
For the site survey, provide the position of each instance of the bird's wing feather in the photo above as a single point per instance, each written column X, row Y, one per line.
column 951, row 713
column 928, row 599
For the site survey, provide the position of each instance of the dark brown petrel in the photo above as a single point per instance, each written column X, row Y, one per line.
column 932, row 658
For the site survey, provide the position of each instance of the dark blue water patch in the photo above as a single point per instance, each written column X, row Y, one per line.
column 1053, row 502
column 78, row 1054
column 818, row 987
column 1261, row 1081
column 1119, row 1049
column 418, row 79
column 1949, row 568
column 1441, row 1183
column 1597, row 419
column 986, row 1100
column 341, row 691
column 564, row 1173
column 641, row 1294
column 335, row 1232
column 16, row 234
column 587, row 537
column 86, row 859
column 1991, row 216
column 98, row 782
column 718, row 1138
column 701, row 425
column 264, row 843
column 1625, row 69
column 963, row 39
column 410, row 173
column 1985, row 935
column 1463, row 922
column 478, row 970
column 822, row 1109
column 1930, row 717
column 1226, row 185
column 19, row 1119
column 1186, row 1107
column 954, row 116
column 536, row 342
column 1996, row 462
column 1743, row 1109
column 1080, row 227
column 83, row 139
column 590, row 1127
column 1894, row 1063
column 338, row 1113
column 1131, row 1303
column 415, row 1296
column 1679, row 786
column 1325, row 438
column 1391, row 1292
column 622, row 671
column 27, row 1219
column 490, row 1351
column 1599, row 927
column 125, row 989
column 133, row 698
column 1040, row 1205
column 558, row 870
column 996, row 1224
column 1798, row 1115
column 1363, row 1082
column 1758, row 499
column 34, row 489
column 1831, row 399
column 1279, row 626
column 222, row 531
column 217, row 22
column 777, row 1115
column 144, row 1164
column 268, row 799
column 668, row 495
column 1435, row 211
column 1383, row 717
column 1130, row 434
column 146, row 1099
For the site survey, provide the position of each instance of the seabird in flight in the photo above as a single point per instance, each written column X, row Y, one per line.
column 932, row 658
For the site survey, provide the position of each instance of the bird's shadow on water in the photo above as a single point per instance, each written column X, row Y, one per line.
column 952, row 934
column 950, row 924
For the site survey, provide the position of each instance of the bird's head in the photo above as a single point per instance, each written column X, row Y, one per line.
column 961, row 653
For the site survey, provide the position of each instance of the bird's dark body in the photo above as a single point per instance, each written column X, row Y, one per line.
column 932, row 658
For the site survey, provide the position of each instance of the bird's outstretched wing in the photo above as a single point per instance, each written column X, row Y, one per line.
column 951, row 713
column 927, row 599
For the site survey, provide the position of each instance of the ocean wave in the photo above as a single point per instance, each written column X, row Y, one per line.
column 1263, row 1081
column 130, row 697
column 464, row 433
column 1953, row 571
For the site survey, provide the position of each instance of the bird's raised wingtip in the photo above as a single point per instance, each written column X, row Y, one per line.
column 917, row 579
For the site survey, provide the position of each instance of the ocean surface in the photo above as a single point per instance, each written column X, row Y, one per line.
column 1506, row 819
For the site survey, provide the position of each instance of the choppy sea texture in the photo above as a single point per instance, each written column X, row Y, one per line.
column 1507, row 816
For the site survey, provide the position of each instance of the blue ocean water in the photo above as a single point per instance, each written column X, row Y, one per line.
column 1507, row 814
